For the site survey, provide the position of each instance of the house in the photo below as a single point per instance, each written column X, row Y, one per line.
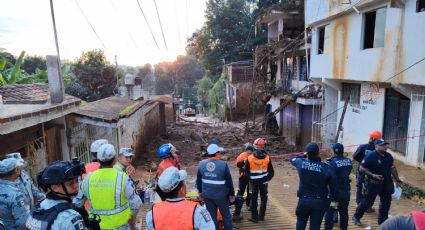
column 371, row 54
column 123, row 122
column 32, row 125
column 238, row 88
column 283, row 62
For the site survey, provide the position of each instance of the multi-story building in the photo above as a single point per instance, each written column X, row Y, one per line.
column 372, row 53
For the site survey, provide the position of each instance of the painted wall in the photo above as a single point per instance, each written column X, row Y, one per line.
column 361, row 119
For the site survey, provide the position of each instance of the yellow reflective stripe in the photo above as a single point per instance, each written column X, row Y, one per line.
column 118, row 188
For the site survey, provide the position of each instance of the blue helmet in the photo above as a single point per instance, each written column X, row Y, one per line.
column 164, row 151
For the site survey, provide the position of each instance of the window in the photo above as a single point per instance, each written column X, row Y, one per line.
column 321, row 41
column 351, row 90
column 420, row 5
column 374, row 29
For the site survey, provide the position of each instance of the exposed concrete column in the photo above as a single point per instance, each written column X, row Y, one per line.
column 415, row 144
column 329, row 124
column 57, row 92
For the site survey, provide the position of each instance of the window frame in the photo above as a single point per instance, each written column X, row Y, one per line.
column 354, row 94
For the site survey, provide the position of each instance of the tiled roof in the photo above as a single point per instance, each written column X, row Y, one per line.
column 24, row 94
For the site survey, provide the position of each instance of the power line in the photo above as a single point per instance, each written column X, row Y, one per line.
column 118, row 16
column 91, row 26
column 160, row 24
column 177, row 21
column 146, row 20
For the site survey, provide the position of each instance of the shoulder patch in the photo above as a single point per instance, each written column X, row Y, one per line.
column 76, row 219
column 206, row 215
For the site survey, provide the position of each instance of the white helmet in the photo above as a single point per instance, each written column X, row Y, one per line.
column 96, row 144
column 106, row 152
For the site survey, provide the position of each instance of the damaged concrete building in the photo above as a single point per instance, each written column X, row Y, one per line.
column 282, row 65
column 371, row 54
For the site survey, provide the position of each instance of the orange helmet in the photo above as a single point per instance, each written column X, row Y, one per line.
column 375, row 134
column 260, row 143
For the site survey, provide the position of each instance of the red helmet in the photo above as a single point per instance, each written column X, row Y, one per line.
column 375, row 134
column 260, row 143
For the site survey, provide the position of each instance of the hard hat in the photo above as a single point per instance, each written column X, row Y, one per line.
column 249, row 147
column 375, row 134
column 9, row 164
column 380, row 142
column 260, row 143
column 164, row 151
column 171, row 178
column 58, row 172
column 106, row 152
column 96, row 144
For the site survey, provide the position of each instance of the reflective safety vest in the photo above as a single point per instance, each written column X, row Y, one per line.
column 418, row 219
column 242, row 157
column 105, row 190
column 258, row 168
column 174, row 215
column 166, row 163
column 91, row 167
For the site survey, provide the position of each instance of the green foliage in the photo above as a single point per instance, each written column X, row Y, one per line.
column 32, row 63
column 203, row 86
column 216, row 95
column 94, row 77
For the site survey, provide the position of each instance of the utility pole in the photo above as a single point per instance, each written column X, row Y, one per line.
column 116, row 74
column 54, row 30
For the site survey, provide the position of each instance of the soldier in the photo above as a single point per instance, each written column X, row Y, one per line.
column 14, row 208
column 26, row 185
column 60, row 181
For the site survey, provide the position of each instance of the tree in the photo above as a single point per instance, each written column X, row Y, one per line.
column 203, row 86
column 94, row 77
column 31, row 63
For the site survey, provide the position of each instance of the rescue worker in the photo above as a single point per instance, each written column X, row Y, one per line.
column 259, row 170
column 167, row 152
column 317, row 182
column 378, row 166
column 14, row 208
column 25, row 183
column 60, row 181
column 342, row 167
column 243, row 181
column 214, row 183
column 123, row 164
column 358, row 156
column 94, row 147
column 415, row 221
column 176, row 212
column 110, row 192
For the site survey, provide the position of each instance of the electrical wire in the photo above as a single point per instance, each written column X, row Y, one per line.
column 118, row 16
column 91, row 26
column 177, row 22
column 160, row 24
column 147, row 23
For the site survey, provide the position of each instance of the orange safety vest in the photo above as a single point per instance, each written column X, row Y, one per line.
column 418, row 219
column 258, row 167
column 173, row 215
column 90, row 167
column 242, row 157
column 166, row 163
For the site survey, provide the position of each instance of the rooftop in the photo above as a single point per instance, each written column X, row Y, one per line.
column 111, row 109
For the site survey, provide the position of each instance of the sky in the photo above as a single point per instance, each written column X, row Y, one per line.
column 122, row 31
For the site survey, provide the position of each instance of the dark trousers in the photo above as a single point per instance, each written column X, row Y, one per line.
column 343, row 214
column 262, row 189
column 374, row 190
column 359, row 186
column 310, row 208
column 243, row 185
column 223, row 206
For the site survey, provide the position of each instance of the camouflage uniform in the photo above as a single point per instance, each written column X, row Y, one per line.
column 14, row 209
column 31, row 192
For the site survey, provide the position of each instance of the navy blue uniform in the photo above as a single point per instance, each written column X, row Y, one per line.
column 358, row 156
column 380, row 165
column 215, row 184
column 342, row 167
column 317, row 179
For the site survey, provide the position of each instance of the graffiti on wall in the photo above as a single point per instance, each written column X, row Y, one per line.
column 370, row 93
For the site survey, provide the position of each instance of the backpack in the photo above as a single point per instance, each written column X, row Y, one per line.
column 42, row 219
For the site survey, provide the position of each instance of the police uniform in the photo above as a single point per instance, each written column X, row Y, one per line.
column 316, row 181
column 201, row 219
column 381, row 165
column 358, row 156
column 214, row 182
column 260, row 170
column 342, row 167
column 14, row 208
column 68, row 219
